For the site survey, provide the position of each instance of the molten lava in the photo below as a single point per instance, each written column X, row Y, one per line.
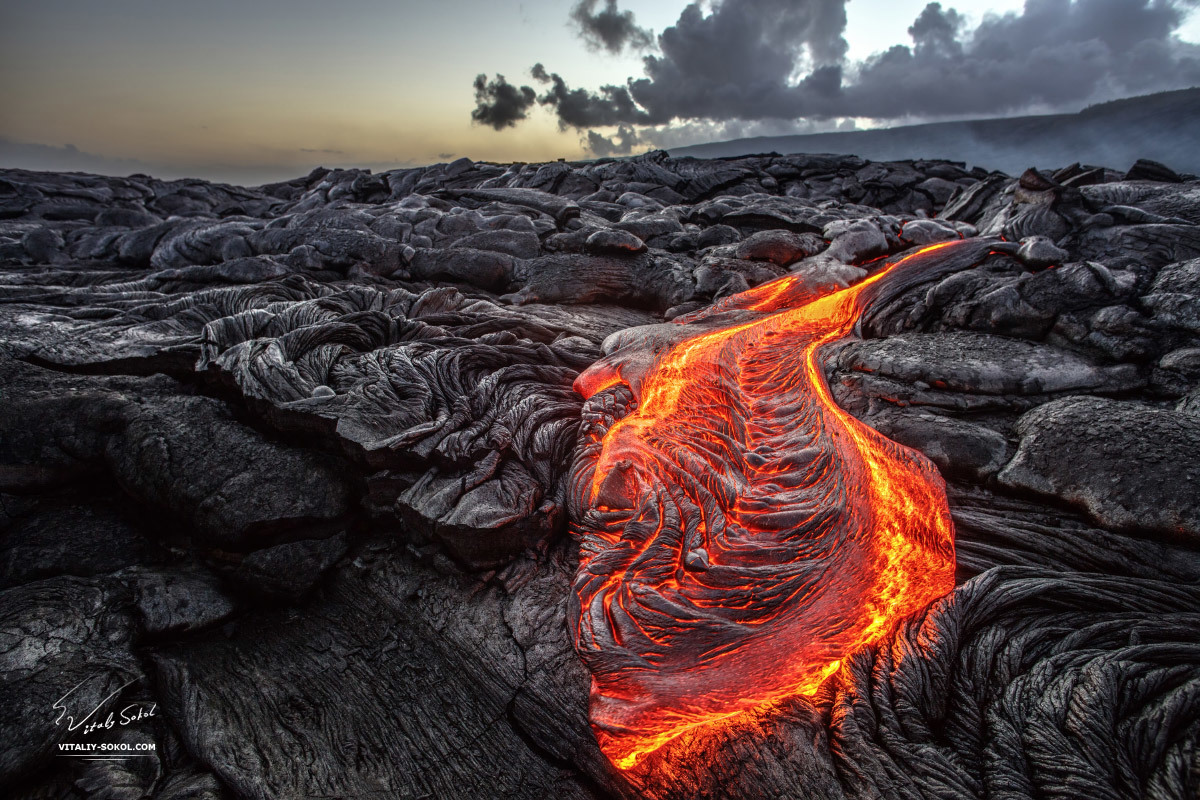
column 740, row 533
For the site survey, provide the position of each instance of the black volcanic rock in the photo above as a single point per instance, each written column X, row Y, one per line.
column 56, row 635
column 179, row 601
column 779, row 247
column 290, row 461
column 985, row 364
column 614, row 241
column 182, row 455
column 1132, row 466
column 1146, row 170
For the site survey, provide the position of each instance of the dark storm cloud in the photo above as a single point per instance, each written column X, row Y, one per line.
column 1055, row 53
column 739, row 60
column 785, row 59
column 579, row 108
column 620, row 144
column 736, row 61
column 935, row 30
column 609, row 28
column 499, row 103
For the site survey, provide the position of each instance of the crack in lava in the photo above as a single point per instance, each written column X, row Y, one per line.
column 740, row 534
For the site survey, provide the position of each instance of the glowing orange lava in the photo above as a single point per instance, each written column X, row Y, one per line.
column 740, row 534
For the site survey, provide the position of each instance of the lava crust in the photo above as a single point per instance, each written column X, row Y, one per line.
column 740, row 533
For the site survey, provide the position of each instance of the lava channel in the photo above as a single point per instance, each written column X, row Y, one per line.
column 740, row 534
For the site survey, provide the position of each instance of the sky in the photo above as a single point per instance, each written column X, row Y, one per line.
column 257, row 90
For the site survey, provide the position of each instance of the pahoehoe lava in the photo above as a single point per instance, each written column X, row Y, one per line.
column 297, row 465
column 741, row 534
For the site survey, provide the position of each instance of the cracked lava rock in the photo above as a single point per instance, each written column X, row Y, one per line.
column 777, row 476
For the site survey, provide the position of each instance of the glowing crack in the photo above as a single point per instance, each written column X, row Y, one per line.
column 740, row 534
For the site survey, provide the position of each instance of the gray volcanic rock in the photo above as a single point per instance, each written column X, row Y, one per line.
column 957, row 446
column 519, row 244
column 189, row 457
column 928, row 231
column 779, row 247
column 177, row 602
column 47, row 535
column 856, row 241
column 1028, row 727
column 1038, row 251
column 183, row 455
column 293, row 459
column 1173, row 297
column 289, row 569
column 986, row 364
column 614, row 241
column 57, row 635
column 401, row 639
column 1130, row 465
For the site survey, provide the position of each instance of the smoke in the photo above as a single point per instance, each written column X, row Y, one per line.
column 753, row 60
column 608, row 28
column 500, row 104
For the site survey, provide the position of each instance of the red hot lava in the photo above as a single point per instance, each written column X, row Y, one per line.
column 740, row 533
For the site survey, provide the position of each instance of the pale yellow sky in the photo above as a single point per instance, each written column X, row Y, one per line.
column 282, row 84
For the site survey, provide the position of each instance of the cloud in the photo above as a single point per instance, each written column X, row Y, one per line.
column 735, row 61
column 579, row 108
column 500, row 104
column 753, row 60
column 609, row 28
column 1055, row 53
column 738, row 60
column 937, row 31
column 620, row 144
column 682, row 134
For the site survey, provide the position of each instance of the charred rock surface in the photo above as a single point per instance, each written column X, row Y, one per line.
column 287, row 469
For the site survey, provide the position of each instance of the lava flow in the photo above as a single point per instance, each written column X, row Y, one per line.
column 740, row 533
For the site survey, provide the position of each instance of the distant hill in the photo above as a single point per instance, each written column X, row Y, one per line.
column 1163, row 127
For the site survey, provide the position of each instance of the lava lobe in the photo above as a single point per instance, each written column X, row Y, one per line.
column 740, row 534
